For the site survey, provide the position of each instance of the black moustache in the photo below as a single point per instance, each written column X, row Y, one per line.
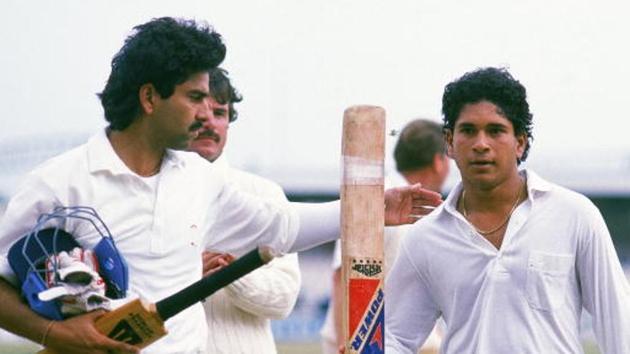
column 209, row 134
column 195, row 126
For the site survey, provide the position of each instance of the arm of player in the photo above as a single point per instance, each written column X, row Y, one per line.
column 239, row 221
column 32, row 198
column 605, row 290
column 269, row 292
column 410, row 312
column 320, row 223
column 75, row 335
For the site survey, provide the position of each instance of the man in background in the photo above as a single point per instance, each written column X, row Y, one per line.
column 239, row 316
column 420, row 156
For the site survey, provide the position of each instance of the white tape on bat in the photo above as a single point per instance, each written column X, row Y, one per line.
column 361, row 172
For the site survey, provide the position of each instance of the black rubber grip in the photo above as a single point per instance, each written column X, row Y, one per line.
column 205, row 287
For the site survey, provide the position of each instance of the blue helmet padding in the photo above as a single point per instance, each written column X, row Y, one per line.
column 37, row 246
column 113, row 268
column 32, row 286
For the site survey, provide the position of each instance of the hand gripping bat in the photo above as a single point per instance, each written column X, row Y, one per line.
column 141, row 323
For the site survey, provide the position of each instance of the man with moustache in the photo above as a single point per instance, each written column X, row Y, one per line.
column 509, row 260
column 159, row 202
column 239, row 316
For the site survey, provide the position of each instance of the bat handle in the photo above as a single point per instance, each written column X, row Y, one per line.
column 205, row 287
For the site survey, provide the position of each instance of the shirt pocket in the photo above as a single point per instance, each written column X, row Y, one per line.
column 548, row 277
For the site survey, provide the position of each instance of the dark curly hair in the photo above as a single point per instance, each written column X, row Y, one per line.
column 164, row 52
column 222, row 90
column 495, row 85
column 419, row 142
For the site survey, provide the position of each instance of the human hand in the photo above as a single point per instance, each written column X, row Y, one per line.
column 405, row 205
column 78, row 335
column 214, row 261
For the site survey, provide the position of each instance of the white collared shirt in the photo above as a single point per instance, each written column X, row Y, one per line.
column 160, row 228
column 557, row 257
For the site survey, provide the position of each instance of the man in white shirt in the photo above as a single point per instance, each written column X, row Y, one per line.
column 508, row 260
column 239, row 316
column 159, row 202
column 420, row 156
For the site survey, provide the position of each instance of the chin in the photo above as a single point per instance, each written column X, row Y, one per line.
column 180, row 145
column 484, row 181
column 206, row 153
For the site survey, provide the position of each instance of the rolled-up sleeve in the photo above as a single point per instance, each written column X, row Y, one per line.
column 605, row 289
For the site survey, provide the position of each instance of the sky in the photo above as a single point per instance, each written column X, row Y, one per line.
column 300, row 64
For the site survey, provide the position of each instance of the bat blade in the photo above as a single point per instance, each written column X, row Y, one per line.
column 362, row 220
column 140, row 323
column 136, row 323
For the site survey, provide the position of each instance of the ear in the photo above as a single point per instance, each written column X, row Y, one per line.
column 448, row 137
column 439, row 161
column 521, row 144
column 147, row 95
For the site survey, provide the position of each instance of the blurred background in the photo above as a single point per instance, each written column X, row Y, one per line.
column 300, row 64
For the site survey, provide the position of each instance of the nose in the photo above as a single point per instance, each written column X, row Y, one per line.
column 205, row 113
column 481, row 142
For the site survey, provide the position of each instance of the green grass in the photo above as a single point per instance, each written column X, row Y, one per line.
column 299, row 348
column 283, row 348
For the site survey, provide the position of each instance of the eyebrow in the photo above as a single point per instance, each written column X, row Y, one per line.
column 198, row 92
column 489, row 125
column 497, row 125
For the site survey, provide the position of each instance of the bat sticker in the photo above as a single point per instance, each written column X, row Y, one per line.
column 366, row 320
column 367, row 267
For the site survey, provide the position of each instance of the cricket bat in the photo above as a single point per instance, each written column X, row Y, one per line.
column 362, row 220
column 141, row 323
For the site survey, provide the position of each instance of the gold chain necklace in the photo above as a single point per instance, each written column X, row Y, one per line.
column 483, row 232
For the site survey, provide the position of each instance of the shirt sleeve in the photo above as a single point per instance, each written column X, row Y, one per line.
column 605, row 290
column 269, row 292
column 32, row 198
column 319, row 223
column 410, row 312
column 239, row 222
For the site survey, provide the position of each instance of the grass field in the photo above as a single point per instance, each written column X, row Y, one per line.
column 283, row 348
column 315, row 348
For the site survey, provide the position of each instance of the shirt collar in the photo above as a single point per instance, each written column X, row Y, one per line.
column 535, row 182
column 173, row 158
column 102, row 157
column 535, row 185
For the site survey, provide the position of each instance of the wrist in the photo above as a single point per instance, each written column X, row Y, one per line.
column 49, row 327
